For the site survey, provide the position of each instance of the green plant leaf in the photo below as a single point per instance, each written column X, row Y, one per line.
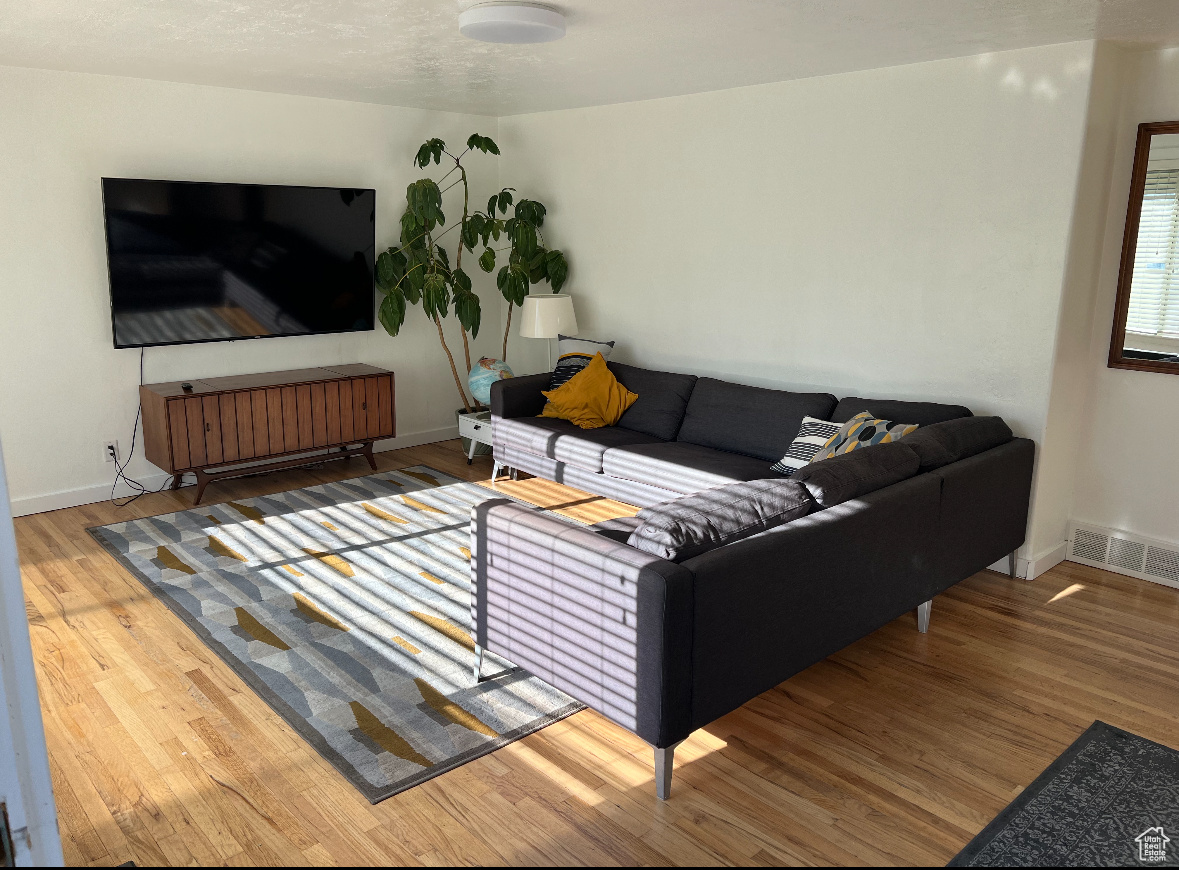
column 440, row 253
column 482, row 143
column 472, row 230
column 521, row 287
column 435, row 296
column 531, row 211
column 411, row 229
column 461, row 281
column 467, row 309
column 487, row 260
column 424, row 199
column 390, row 268
column 431, row 149
column 501, row 280
column 556, row 268
column 392, row 312
column 523, row 237
column 505, row 199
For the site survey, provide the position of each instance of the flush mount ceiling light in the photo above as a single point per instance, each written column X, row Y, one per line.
column 514, row 23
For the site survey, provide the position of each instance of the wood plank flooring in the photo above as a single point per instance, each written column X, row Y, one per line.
column 895, row 751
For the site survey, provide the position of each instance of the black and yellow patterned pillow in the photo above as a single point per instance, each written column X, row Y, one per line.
column 862, row 430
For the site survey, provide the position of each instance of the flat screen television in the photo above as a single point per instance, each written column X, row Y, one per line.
column 195, row 261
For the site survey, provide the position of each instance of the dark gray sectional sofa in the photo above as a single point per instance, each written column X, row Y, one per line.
column 665, row 647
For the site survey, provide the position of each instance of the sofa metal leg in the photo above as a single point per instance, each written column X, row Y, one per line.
column 478, row 663
column 495, row 470
column 923, row 616
column 1011, row 565
column 663, row 767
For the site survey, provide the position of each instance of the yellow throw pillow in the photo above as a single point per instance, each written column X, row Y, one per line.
column 590, row 399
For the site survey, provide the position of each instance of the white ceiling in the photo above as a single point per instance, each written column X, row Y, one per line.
column 410, row 53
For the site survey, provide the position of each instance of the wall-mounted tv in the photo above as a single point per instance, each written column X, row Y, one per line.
column 195, row 261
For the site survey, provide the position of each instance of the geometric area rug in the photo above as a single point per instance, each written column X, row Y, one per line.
column 1111, row 800
column 346, row 607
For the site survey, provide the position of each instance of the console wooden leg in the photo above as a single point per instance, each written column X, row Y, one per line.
column 177, row 479
column 368, row 454
column 202, row 481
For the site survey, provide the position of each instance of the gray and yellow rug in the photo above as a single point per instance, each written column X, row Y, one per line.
column 346, row 607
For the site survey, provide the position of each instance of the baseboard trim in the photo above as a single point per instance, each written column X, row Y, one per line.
column 1030, row 569
column 37, row 504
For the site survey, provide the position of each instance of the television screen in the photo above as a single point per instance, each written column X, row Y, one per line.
column 194, row 261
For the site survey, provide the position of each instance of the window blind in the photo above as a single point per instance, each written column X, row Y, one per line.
column 1154, row 287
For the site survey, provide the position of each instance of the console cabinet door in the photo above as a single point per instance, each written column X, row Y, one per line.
column 385, row 406
column 331, row 402
column 245, row 425
column 261, row 428
column 211, row 410
column 178, row 435
column 319, row 435
column 359, row 411
column 195, row 417
column 372, row 406
column 228, row 408
column 347, row 424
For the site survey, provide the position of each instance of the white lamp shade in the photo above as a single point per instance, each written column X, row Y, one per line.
column 546, row 315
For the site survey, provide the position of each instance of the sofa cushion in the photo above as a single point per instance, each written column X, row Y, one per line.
column 663, row 396
column 863, row 430
column 688, row 526
column 851, row 475
column 617, row 488
column 921, row 413
column 561, row 440
column 682, row 467
column 942, row 443
column 590, row 399
column 812, row 437
column 749, row 420
column 573, row 355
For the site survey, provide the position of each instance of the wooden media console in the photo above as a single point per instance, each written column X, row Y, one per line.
column 221, row 423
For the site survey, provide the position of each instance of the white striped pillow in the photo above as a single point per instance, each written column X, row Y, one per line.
column 811, row 437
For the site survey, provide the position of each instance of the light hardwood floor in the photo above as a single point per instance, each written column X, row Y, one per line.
column 897, row 750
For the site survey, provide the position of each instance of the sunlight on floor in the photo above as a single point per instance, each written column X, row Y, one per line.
column 1065, row 593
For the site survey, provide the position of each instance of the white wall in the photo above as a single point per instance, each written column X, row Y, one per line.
column 1063, row 440
column 899, row 232
column 63, row 389
column 1128, row 477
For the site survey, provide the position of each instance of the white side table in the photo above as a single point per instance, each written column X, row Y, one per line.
column 476, row 428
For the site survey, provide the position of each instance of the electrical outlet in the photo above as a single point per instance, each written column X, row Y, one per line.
column 110, row 451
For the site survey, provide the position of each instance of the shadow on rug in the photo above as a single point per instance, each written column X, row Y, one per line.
column 1108, row 801
column 346, row 607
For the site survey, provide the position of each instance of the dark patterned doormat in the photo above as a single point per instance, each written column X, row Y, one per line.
column 1111, row 800
column 346, row 607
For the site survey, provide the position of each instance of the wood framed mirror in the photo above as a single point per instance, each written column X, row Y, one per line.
column 1146, row 317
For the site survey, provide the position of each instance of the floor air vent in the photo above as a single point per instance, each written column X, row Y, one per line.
column 1088, row 545
column 1124, row 553
column 1163, row 564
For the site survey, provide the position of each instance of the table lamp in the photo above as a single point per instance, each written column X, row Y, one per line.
column 546, row 316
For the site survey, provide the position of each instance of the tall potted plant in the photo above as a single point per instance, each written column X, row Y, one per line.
column 418, row 271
